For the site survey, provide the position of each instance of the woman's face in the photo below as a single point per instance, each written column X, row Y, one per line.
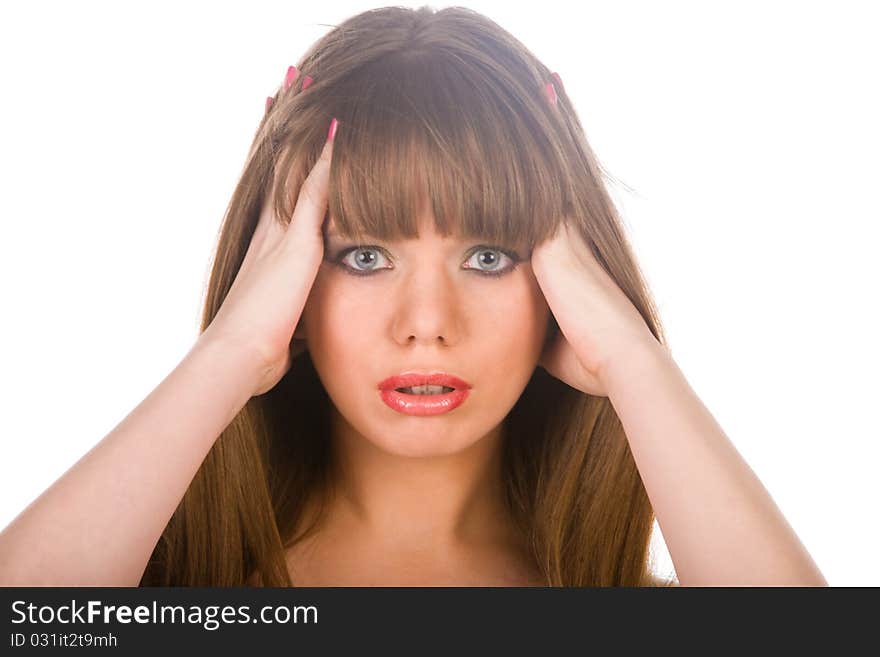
column 423, row 305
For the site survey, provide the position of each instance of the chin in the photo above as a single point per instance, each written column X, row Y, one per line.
column 421, row 441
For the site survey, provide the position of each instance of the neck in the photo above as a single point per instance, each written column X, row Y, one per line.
column 438, row 502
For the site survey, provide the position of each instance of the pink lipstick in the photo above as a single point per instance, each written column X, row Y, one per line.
column 396, row 393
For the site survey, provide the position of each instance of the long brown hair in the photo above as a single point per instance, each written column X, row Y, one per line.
column 440, row 109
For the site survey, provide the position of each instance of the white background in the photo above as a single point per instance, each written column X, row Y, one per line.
column 742, row 137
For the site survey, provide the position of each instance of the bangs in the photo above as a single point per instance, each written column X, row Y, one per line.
column 429, row 136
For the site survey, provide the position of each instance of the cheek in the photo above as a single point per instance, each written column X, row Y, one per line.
column 337, row 315
column 519, row 320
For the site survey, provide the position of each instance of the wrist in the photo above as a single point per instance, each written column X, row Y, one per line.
column 636, row 362
column 239, row 361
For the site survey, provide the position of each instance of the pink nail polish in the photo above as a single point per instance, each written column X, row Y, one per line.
column 306, row 82
column 269, row 100
column 331, row 133
column 290, row 78
column 551, row 92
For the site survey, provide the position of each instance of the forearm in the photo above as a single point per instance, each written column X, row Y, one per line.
column 719, row 522
column 99, row 523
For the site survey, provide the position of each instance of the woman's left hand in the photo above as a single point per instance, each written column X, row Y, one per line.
column 598, row 325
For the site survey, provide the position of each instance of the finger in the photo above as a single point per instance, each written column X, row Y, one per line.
column 272, row 229
column 267, row 234
column 311, row 204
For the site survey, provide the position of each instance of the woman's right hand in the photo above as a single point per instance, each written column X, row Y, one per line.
column 261, row 311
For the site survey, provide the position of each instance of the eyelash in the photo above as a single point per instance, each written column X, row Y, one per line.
column 337, row 260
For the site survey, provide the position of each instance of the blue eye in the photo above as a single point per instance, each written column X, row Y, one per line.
column 364, row 258
column 359, row 251
column 481, row 250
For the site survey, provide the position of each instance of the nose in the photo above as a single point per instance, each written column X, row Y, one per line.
column 427, row 307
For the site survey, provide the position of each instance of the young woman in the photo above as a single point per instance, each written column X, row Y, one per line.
column 427, row 357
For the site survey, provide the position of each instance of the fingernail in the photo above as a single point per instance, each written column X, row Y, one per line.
column 290, row 78
column 558, row 81
column 269, row 100
column 331, row 133
column 306, row 82
column 551, row 92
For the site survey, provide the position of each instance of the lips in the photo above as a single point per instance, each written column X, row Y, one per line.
column 410, row 379
column 423, row 405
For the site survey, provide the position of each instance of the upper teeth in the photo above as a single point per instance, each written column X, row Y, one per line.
column 427, row 390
